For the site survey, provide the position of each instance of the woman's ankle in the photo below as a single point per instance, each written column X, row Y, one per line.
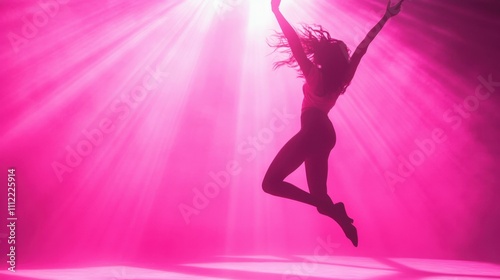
column 324, row 204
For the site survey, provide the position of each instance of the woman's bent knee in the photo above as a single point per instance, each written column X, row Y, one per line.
column 268, row 185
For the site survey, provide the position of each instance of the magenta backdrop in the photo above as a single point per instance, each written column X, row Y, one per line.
column 140, row 131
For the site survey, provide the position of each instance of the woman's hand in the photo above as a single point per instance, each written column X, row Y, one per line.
column 394, row 10
column 275, row 5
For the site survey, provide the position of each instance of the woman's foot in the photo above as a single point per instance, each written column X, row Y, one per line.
column 340, row 211
column 337, row 212
column 351, row 232
column 345, row 223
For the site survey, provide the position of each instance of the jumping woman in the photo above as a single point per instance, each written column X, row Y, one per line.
column 328, row 68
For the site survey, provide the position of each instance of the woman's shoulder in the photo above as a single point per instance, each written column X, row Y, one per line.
column 313, row 76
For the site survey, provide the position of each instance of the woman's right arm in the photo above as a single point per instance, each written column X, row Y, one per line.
column 293, row 40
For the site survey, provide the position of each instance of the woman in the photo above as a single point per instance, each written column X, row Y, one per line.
column 325, row 64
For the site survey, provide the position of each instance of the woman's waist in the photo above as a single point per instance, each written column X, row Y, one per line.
column 313, row 116
column 324, row 105
column 314, row 111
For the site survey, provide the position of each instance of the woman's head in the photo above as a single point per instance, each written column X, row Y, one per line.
column 331, row 55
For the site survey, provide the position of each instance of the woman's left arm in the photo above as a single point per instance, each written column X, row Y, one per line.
column 363, row 46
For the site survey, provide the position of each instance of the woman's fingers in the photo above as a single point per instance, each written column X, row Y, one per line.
column 394, row 10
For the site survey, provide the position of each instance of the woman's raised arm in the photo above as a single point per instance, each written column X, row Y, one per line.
column 293, row 39
column 363, row 46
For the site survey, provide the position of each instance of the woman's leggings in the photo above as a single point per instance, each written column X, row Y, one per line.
column 312, row 145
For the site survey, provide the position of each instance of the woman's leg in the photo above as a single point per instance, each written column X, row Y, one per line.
column 288, row 159
column 317, row 173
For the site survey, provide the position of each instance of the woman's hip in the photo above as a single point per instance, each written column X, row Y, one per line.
column 318, row 128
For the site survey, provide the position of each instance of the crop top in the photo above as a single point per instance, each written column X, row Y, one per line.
column 314, row 95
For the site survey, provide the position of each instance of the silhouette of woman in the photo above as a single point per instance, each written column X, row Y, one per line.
column 325, row 64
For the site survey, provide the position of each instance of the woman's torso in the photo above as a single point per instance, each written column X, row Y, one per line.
column 315, row 93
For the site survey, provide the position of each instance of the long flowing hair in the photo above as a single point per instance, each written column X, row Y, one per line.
column 328, row 54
